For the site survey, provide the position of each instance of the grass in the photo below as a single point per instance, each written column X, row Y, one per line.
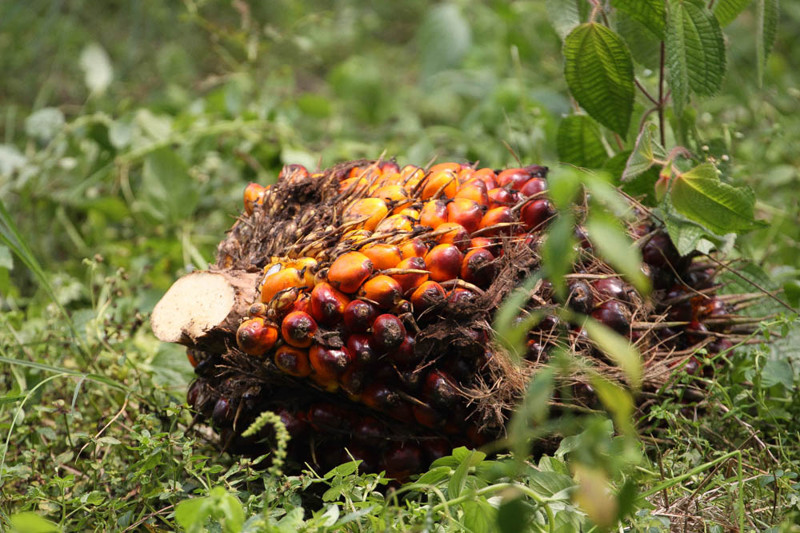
column 107, row 197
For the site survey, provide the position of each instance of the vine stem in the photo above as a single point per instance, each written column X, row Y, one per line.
column 661, row 99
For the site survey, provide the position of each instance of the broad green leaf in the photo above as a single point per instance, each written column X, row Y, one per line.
column 700, row 196
column 29, row 522
column 599, row 72
column 618, row 349
column 767, row 28
column 613, row 244
column 566, row 14
column 695, row 51
column 580, row 142
column 645, row 47
column 689, row 236
column 649, row 13
column 513, row 512
column 6, row 259
column 726, row 11
column 479, row 516
column 564, row 183
column 444, row 39
column 459, row 479
column 778, row 371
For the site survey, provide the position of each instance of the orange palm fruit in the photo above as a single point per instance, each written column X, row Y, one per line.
column 440, row 183
column 298, row 329
column 395, row 224
column 282, row 280
column 433, row 213
column 293, row 361
column 349, row 271
column 394, row 195
column 384, row 290
column 474, row 190
column 382, row 255
column 352, row 184
column 256, row 337
column 498, row 219
column 253, row 196
column 411, row 176
column 487, row 176
column 448, row 165
column 368, row 212
column 466, row 212
column 427, row 295
column 415, row 247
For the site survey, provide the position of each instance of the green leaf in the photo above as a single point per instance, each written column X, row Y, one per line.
column 726, row 11
column 580, row 143
column 767, row 29
column 170, row 193
column 566, row 14
column 689, row 236
column 695, row 51
column 29, row 522
column 700, row 196
column 613, row 244
column 444, row 39
column 459, row 479
column 778, row 371
column 479, row 516
column 599, row 72
column 650, row 13
column 512, row 513
column 616, row 347
column 616, row 400
column 533, row 409
column 644, row 46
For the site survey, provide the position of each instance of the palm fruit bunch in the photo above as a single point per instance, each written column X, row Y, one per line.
column 356, row 303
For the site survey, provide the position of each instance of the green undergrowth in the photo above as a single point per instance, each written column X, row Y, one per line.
column 129, row 131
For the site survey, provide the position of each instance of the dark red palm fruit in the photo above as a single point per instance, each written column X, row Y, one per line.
column 329, row 364
column 474, row 190
column 298, row 329
column 325, row 417
column 719, row 346
column 533, row 186
column 389, row 167
column 359, row 315
column 411, row 379
column 293, row 361
column 462, row 369
column 427, row 416
column 659, row 251
column 477, row 437
column 327, row 304
column 461, row 299
column 368, row 430
column 378, row 396
column 415, row 247
column 466, row 212
column 499, row 219
column 433, row 213
column 478, row 267
column 360, row 347
column 493, row 245
column 700, row 279
column 615, row 315
column 368, row 457
column 443, row 262
column 383, row 290
column 548, row 324
column 256, row 336
column 293, row 173
column 354, row 380
column 427, row 295
column 388, row 333
column 514, row 178
column 295, row 424
column 580, row 297
column 224, row 412
column 200, row 397
column 681, row 312
column 500, row 196
column 400, row 460
column 412, row 280
column 535, row 351
column 440, row 389
column 436, row 448
column 582, row 238
column 192, row 357
column 536, row 213
column 405, row 355
column 696, row 331
column 610, row 288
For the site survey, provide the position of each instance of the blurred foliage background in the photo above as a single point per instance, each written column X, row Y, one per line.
column 129, row 128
